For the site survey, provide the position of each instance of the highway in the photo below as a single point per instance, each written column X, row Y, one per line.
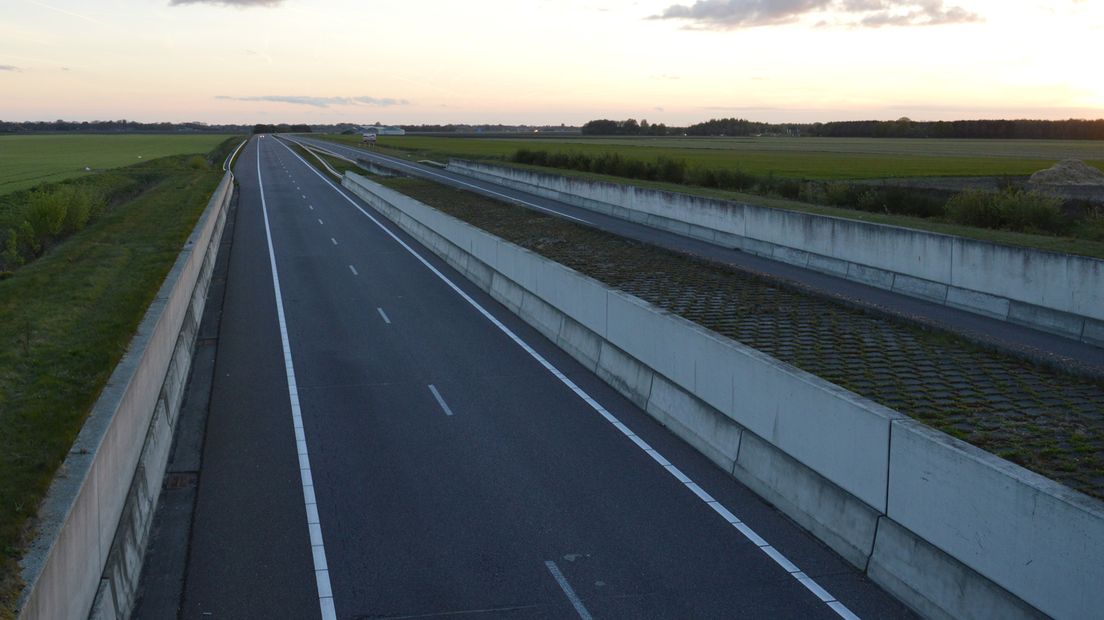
column 383, row 440
column 1024, row 341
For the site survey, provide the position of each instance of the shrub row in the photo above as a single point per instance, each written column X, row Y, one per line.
column 1009, row 209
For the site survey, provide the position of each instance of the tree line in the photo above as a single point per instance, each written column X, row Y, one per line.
column 281, row 128
column 1024, row 129
column 117, row 126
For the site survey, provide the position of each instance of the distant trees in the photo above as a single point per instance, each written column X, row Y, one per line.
column 281, row 128
column 628, row 127
column 117, row 126
column 1022, row 129
column 904, row 127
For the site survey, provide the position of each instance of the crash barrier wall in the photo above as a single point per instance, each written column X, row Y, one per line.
column 952, row 530
column 87, row 552
column 1054, row 292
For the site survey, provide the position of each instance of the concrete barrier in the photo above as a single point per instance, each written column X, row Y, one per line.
column 87, row 551
column 948, row 528
column 1054, row 292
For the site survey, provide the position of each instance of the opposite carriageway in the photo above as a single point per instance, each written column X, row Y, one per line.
column 1020, row 340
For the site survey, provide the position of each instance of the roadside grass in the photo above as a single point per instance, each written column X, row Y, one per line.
column 1050, row 243
column 28, row 160
column 68, row 318
column 1062, row 244
column 340, row 165
column 799, row 158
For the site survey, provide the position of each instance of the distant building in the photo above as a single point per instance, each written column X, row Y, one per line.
column 383, row 130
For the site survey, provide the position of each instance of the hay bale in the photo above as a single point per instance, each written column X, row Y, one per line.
column 1068, row 172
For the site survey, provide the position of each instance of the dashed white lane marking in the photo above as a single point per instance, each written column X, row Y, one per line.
column 383, row 315
column 304, row 196
column 321, row 222
column 334, row 241
column 311, row 207
column 353, row 269
column 437, row 395
column 748, row 533
column 568, row 591
column 314, row 525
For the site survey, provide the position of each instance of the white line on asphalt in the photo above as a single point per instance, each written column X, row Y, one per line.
column 436, row 394
column 311, row 207
column 748, row 533
column 483, row 189
column 321, row 222
column 314, row 526
column 334, row 241
column 353, row 269
column 384, row 315
column 568, row 591
column 304, row 195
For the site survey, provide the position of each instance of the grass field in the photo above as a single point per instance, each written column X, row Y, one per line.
column 26, row 161
column 67, row 320
column 804, row 158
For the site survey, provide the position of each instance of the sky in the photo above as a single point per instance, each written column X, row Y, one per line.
column 549, row 62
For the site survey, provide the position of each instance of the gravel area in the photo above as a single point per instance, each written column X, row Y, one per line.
column 1039, row 418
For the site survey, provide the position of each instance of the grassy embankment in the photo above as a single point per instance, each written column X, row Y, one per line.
column 26, row 161
column 68, row 317
column 800, row 158
column 810, row 158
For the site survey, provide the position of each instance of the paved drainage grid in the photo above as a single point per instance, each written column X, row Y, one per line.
column 1046, row 421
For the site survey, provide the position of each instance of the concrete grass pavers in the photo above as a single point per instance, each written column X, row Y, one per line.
column 1043, row 420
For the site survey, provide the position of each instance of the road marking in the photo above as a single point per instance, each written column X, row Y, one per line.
column 384, row 315
column 304, row 195
column 230, row 158
column 314, row 525
column 311, row 207
column 321, row 222
column 437, row 395
column 748, row 533
column 353, row 269
column 334, row 241
column 476, row 187
column 568, row 591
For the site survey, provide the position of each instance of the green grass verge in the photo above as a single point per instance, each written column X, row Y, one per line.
column 26, row 161
column 68, row 318
column 800, row 158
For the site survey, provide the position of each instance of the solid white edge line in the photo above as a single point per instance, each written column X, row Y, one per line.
column 476, row 187
column 440, row 401
column 384, row 315
column 226, row 163
column 568, row 591
column 748, row 533
column 318, row 549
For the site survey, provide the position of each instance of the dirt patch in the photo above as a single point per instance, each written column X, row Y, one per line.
column 1068, row 172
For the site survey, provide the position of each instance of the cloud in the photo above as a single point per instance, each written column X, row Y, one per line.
column 8, row 68
column 734, row 14
column 321, row 102
column 238, row 3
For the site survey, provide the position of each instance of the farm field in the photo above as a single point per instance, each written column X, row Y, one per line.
column 803, row 158
column 26, row 161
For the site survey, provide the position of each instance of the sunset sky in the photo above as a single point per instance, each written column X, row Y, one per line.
column 564, row 61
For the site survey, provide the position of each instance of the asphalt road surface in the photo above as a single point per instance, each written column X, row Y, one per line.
column 386, row 441
column 1024, row 341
